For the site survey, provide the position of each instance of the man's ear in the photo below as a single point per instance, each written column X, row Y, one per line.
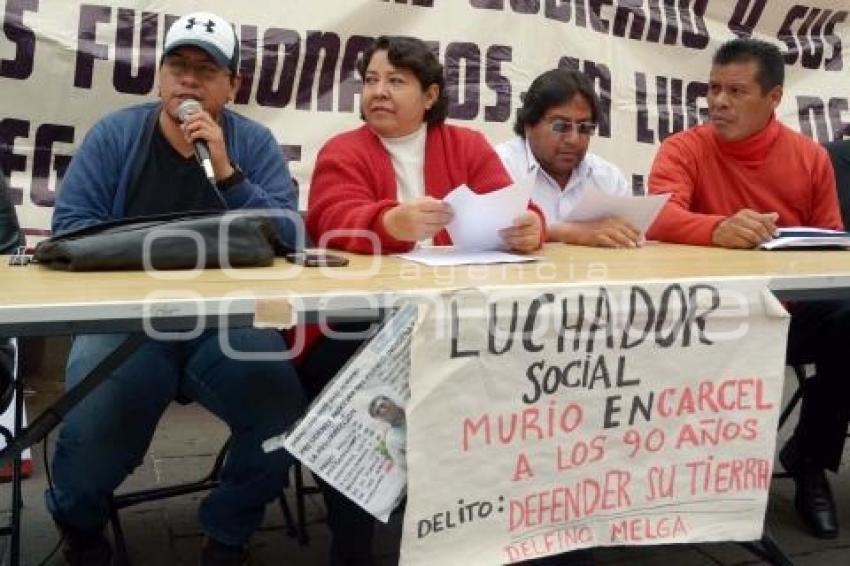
column 775, row 95
column 235, row 84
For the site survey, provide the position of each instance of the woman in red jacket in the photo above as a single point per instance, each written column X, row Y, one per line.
column 377, row 190
column 386, row 178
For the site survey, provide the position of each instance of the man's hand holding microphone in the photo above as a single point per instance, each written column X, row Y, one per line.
column 204, row 133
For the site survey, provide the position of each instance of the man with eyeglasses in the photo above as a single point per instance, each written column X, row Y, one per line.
column 140, row 161
column 559, row 115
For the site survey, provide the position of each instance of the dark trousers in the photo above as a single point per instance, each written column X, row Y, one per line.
column 351, row 527
column 106, row 435
column 819, row 332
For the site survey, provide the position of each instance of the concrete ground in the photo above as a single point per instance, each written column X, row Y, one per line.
column 188, row 438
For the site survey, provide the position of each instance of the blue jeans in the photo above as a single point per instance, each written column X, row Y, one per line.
column 107, row 434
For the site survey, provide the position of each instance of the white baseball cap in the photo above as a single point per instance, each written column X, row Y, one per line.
column 206, row 31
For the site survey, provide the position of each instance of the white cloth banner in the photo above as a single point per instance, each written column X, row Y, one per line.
column 64, row 65
column 560, row 418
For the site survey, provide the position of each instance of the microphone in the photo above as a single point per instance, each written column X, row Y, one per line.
column 202, row 151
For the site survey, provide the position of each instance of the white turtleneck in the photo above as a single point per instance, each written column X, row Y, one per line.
column 408, row 157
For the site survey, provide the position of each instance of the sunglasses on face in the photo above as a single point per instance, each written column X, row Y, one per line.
column 559, row 126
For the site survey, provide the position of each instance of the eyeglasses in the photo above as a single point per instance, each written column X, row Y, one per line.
column 204, row 70
column 559, row 126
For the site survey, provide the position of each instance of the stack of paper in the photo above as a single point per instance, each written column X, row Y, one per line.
column 448, row 255
column 804, row 237
column 476, row 222
column 479, row 217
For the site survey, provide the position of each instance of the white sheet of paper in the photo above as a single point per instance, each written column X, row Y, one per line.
column 479, row 217
column 809, row 230
column 448, row 255
column 637, row 210
column 801, row 237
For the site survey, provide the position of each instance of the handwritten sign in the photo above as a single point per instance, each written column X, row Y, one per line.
column 566, row 418
column 353, row 435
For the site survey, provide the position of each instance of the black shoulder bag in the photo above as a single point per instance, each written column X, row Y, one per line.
column 167, row 241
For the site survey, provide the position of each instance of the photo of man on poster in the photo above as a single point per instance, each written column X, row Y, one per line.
column 394, row 443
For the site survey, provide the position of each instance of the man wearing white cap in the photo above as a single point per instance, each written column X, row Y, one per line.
column 140, row 161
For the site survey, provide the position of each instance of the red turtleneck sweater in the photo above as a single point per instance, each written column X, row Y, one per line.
column 775, row 170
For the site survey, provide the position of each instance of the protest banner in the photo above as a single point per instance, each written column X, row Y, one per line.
column 64, row 65
column 545, row 420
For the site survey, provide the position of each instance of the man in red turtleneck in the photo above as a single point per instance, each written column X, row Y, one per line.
column 731, row 183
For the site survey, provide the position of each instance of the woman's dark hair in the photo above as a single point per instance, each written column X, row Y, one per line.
column 553, row 88
column 415, row 56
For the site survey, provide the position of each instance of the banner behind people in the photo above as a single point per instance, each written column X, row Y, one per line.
column 564, row 418
column 65, row 64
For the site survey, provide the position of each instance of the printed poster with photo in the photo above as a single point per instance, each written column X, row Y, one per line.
column 353, row 435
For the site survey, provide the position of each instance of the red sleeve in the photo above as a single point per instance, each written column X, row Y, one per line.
column 674, row 171
column 825, row 209
column 345, row 197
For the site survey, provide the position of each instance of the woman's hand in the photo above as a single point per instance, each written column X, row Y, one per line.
column 418, row 219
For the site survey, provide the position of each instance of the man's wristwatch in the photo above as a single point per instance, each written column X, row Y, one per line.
column 234, row 179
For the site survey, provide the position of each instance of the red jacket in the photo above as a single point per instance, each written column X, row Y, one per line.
column 354, row 182
column 775, row 170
